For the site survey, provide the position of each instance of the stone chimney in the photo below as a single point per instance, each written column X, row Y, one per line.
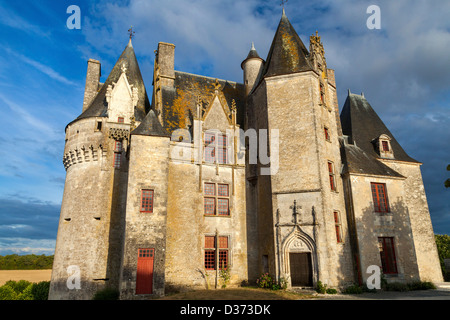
column 166, row 63
column 92, row 82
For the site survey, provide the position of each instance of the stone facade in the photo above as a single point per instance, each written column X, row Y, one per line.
column 259, row 177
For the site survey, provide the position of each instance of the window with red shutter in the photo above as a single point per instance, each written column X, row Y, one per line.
column 332, row 176
column 380, row 199
column 216, row 199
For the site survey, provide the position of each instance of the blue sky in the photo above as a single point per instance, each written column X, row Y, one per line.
column 403, row 70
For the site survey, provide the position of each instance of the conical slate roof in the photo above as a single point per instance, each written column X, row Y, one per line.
column 287, row 54
column 363, row 126
column 151, row 126
column 253, row 54
column 99, row 107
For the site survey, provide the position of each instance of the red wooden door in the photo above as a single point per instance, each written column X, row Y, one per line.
column 144, row 279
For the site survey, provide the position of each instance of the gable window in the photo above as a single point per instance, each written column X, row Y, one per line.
column 147, row 201
column 337, row 223
column 216, row 199
column 380, row 199
column 117, row 154
column 387, row 255
column 212, row 244
column 385, row 146
column 332, row 176
column 215, row 148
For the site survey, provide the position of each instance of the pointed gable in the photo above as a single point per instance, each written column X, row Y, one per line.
column 151, row 126
column 99, row 105
column 287, row 54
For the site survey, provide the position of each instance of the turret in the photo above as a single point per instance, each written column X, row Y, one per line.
column 252, row 67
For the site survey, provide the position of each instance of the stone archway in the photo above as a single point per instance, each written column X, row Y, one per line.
column 300, row 265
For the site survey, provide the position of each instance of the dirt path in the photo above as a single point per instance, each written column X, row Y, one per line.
column 29, row 275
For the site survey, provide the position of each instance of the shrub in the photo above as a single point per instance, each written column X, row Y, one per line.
column 40, row 290
column 421, row 285
column 396, row 286
column 18, row 286
column 7, row 293
column 331, row 291
column 224, row 274
column 321, row 288
column 353, row 289
column 26, row 294
column 106, row 294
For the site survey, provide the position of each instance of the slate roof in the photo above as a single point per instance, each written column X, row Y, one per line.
column 363, row 126
column 151, row 126
column 99, row 107
column 188, row 87
column 287, row 54
column 253, row 54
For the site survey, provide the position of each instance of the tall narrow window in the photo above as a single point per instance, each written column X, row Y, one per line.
column 210, row 252
column 117, row 154
column 331, row 175
column 147, row 201
column 211, row 245
column 337, row 223
column 385, row 145
column 216, row 199
column 387, row 255
column 380, row 199
column 327, row 134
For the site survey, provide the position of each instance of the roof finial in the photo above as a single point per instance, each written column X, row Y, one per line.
column 282, row 4
column 349, row 93
column 253, row 46
column 131, row 32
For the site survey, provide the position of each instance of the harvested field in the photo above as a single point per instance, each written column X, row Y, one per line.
column 29, row 275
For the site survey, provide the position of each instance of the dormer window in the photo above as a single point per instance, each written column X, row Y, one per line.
column 383, row 146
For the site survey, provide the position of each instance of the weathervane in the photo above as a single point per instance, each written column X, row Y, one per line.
column 131, row 32
column 283, row 2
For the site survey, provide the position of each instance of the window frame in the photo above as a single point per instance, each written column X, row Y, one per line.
column 143, row 209
column 377, row 205
column 338, row 226
column 210, row 253
column 215, row 147
column 216, row 198
column 118, row 148
column 332, row 176
column 388, row 256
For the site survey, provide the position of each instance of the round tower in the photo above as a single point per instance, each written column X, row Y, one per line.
column 89, row 244
column 252, row 67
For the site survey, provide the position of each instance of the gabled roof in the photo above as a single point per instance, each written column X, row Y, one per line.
column 287, row 54
column 151, row 126
column 189, row 87
column 363, row 127
column 99, row 107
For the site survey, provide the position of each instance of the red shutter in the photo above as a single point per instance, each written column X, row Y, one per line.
column 144, row 279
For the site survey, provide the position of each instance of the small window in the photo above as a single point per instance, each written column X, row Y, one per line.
column 327, row 134
column 385, row 146
column 147, row 201
column 387, row 255
column 216, row 199
column 120, row 120
column 337, row 223
column 380, row 199
column 99, row 126
column 332, row 176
